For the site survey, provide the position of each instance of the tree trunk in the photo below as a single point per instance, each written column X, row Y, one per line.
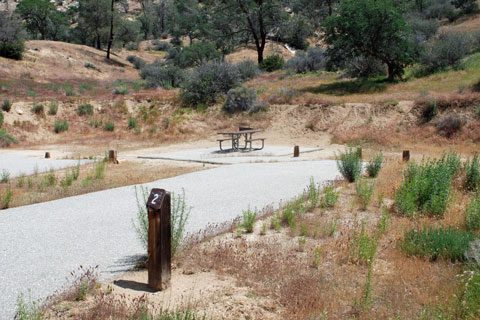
column 391, row 74
column 259, row 54
column 99, row 44
column 110, row 40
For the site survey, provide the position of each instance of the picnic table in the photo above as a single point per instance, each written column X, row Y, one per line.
column 241, row 140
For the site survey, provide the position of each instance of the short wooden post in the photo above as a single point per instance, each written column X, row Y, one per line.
column 159, row 240
column 47, row 155
column 296, row 151
column 112, row 156
column 406, row 155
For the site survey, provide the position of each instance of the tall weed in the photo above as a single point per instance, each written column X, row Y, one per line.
column 374, row 166
column 472, row 174
column 472, row 214
column 364, row 190
column 349, row 164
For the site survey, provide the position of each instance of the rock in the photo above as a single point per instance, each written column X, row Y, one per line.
column 474, row 253
column 20, row 111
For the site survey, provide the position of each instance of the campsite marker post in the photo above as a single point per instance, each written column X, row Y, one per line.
column 159, row 239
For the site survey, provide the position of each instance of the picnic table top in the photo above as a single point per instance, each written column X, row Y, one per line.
column 241, row 132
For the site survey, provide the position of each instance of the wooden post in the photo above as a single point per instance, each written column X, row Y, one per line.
column 359, row 152
column 47, row 155
column 112, row 156
column 406, row 155
column 159, row 240
column 296, row 151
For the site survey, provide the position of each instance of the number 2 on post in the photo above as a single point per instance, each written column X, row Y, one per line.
column 155, row 197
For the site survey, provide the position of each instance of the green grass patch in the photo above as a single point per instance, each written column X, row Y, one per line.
column 6, row 139
column 342, row 88
column 449, row 244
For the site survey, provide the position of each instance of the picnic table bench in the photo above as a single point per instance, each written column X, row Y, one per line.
column 244, row 137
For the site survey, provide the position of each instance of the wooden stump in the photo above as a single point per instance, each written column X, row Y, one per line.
column 112, row 156
column 159, row 240
column 47, row 155
column 406, row 155
column 296, row 151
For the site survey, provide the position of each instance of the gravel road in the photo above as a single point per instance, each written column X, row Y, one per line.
column 42, row 243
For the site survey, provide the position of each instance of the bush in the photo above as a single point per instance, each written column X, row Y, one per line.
column 426, row 187
column 449, row 125
column 85, row 109
column 449, row 244
column 249, row 218
column 472, row 214
column 138, row 63
column 329, row 197
column 439, row 10
column 430, row 111
column 158, row 74
column 374, row 166
column 120, row 89
column 6, row 139
column 160, row 45
column 109, row 126
column 90, row 65
column 208, row 81
column 239, row 99
column 60, row 126
column 349, row 164
column 363, row 247
column 247, row 69
column 363, row 67
column 194, row 55
column 52, row 108
column 11, row 36
column 445, row 51
column 272, row 63
column 180, row 214
column 364, row 190
column 7, row 105
column 472, row 174
column 131, row 46
column 312, row 60
column 132, row 123
column 38, row 109
column 175, row 41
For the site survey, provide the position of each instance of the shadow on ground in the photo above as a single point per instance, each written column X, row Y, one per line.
column 133, row 285
column 342, row 88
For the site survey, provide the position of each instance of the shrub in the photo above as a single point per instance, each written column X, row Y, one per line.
column 138, row 63
column 472, row 214
column 449, row 125
column 239, row 99
column 52, row 108
column 85, row 109
column 180, row 214
column 11, row 36
column 175, row 41
column 312, row 60
column 375, row 165
column 426, row 187
column 430, row 111
column 109, row 126
column 472, row 174
column 158, row 74
column 4, row 176
column 329, row 198
column 60, row 126
column 160, row 45
column 7, row 105
column 132, row 123
column 364, row 190
column 363, row 247
column 194, row 55
column 363, row 67
column 349, row 164
column 99, row 170
column 1, row 118
column 6, row 139
column 28, row 310
column 208, row 81
column 90, row 65
column 445, row 51
column 131, row 46
column 247, row 69
column 272, row 63
column 38, row 109
column 249, row 218
column 121, row 89
column 449, row 244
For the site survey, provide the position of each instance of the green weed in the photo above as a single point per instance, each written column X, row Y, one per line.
column 472, row 174
column 472, row 214
column 249, row 218
column 349, row 164
column 364, row 190
column 374, row 166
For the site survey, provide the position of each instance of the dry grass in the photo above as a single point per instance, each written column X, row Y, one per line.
column 29, row 189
